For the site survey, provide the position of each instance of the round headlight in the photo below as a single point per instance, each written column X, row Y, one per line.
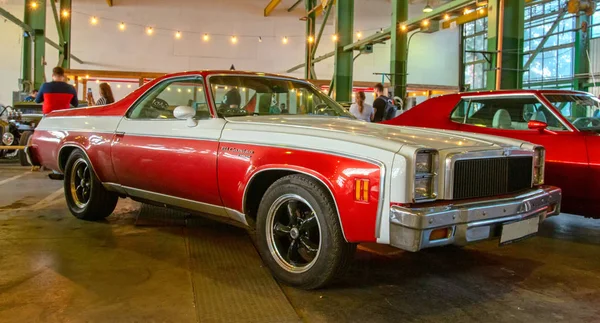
column 8, row 138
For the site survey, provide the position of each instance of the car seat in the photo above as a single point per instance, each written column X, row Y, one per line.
column 502, row 120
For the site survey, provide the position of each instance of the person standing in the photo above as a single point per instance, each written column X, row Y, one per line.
column 106, row 95
column 56, row 95
column 380, row 103
column 362, row 110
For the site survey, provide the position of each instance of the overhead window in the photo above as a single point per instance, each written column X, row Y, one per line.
column 474, row 37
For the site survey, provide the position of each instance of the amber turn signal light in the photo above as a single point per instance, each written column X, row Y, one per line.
column 440, row 234
column 361, row 187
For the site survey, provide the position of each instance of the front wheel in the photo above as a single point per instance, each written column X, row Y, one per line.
column 86, row 198
column 299, row 235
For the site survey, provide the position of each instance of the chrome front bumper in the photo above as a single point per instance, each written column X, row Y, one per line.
column 411, row 228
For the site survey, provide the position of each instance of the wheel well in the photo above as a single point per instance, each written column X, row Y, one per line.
column 63, row 155
column 258, row 187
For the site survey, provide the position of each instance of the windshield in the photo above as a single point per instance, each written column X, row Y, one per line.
column 239, row 95
column 582, row 111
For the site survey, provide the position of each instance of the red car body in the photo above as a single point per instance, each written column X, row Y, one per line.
column 572, row 155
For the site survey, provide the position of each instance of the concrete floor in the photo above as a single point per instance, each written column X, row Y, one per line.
column 170, row 268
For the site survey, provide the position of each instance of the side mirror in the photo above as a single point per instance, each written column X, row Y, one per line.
column 537, row 125
column 184, row 112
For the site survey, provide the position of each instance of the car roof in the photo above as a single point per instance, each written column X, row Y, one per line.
column 206, row 73
column 508, row 92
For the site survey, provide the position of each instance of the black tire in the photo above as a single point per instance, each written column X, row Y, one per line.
column 24, row 141
column 308, row 200
column 86, row 198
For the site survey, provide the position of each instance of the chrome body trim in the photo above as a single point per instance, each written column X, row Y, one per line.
column 27, row 151
column 484, row 154
column 169, row 200
column 410, row 227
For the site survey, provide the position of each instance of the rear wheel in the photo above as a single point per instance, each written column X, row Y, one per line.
column 299, row 235
column 86, row 198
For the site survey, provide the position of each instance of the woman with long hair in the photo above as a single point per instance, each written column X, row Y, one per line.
column 362, row 110
column 106, row 96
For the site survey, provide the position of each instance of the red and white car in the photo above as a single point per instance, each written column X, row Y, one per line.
column 308, row 178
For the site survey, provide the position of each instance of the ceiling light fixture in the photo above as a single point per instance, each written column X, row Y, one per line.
column 427, row 8
column 205, row 37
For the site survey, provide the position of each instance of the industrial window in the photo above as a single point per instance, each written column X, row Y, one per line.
column 474, row 37
column 595, row 22
column 552, row 67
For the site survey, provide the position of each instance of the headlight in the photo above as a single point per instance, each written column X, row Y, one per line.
column 425, row 176
column 8, row 139
column 539, row 157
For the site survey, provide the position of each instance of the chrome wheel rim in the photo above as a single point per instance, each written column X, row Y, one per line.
column 293, row 233
column 80, row 183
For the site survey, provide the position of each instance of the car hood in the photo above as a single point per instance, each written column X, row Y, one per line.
column 369, row 133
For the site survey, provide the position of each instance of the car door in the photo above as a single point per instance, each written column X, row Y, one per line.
column 160, row 158
column 508, row 116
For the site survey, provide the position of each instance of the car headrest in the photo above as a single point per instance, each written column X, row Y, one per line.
column 539, row 116
column 502, row 120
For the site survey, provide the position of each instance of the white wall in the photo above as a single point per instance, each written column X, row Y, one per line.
column 433, row 58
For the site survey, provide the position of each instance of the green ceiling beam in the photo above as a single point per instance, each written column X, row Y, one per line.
column 343, row 65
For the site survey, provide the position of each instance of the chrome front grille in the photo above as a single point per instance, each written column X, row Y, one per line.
column 475, row 178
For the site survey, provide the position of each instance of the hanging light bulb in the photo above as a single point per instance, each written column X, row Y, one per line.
column 93, row 20
column 33, row 4
column 168, row 89
column 97, row 81
column 466, row 11
column 311, row 39
column 178, row 34
column 65, row 13
column 403, row 27
column 87, row 77
column 205, row 37
column 234, row 39
column 129, row 86
column 179, row 90
column 149, row 30
column 481, row 11
column 358, row 35
column 425, row 23
column 122, row 26
column 259, row 39
column 446, row 17
column 285, row 40
column 334, row 37
column 118, row 86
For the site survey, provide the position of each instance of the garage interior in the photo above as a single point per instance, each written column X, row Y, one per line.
column 151, row 264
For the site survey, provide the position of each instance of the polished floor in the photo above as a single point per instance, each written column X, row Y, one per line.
column 148, row 265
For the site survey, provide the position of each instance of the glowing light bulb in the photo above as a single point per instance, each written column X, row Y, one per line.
column 259, row 39
column 94, row 20
column 446, row 17
column 234, row 39
column 33, row 5
column 481, row 11
column 178, row 35
column 425, row 23
column 118, row 86
column 87, row 76
column 149, row 30
column 243, row 89
column 311, row 39
column 97, row 81
column 403, row 27
column 65, row 13
column 199, row 90
column 168, row 89
column 205, row 37
column 179, row 90
column 129, row 86
column 359, row 35
column 189, row 90
column 334, row 37
column 122, row 26
column 285, row 40
column 466, row 11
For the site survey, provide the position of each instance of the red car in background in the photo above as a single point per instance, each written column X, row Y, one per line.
column 566, row 123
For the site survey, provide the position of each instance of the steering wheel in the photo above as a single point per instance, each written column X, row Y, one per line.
column 324, row 110
column 159, row 104
column 586, row 122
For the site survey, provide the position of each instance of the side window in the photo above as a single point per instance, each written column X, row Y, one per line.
column 509, row 113
column 164, row 97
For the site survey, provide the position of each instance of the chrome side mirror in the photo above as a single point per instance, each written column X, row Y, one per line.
column 184, row 112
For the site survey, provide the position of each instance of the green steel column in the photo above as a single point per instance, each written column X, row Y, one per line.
column 581, row 64
column 27, row 49
column 36, row 18
column 344, row 29
column 398, row 54
column 65, row 25
column 310, row 32
column 510, row 17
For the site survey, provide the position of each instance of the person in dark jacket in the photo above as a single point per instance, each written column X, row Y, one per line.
column 58, row 94
column 380, row 103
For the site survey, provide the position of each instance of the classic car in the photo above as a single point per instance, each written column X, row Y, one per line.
column 566, row 123
column 16, row 126
column 311, row 182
